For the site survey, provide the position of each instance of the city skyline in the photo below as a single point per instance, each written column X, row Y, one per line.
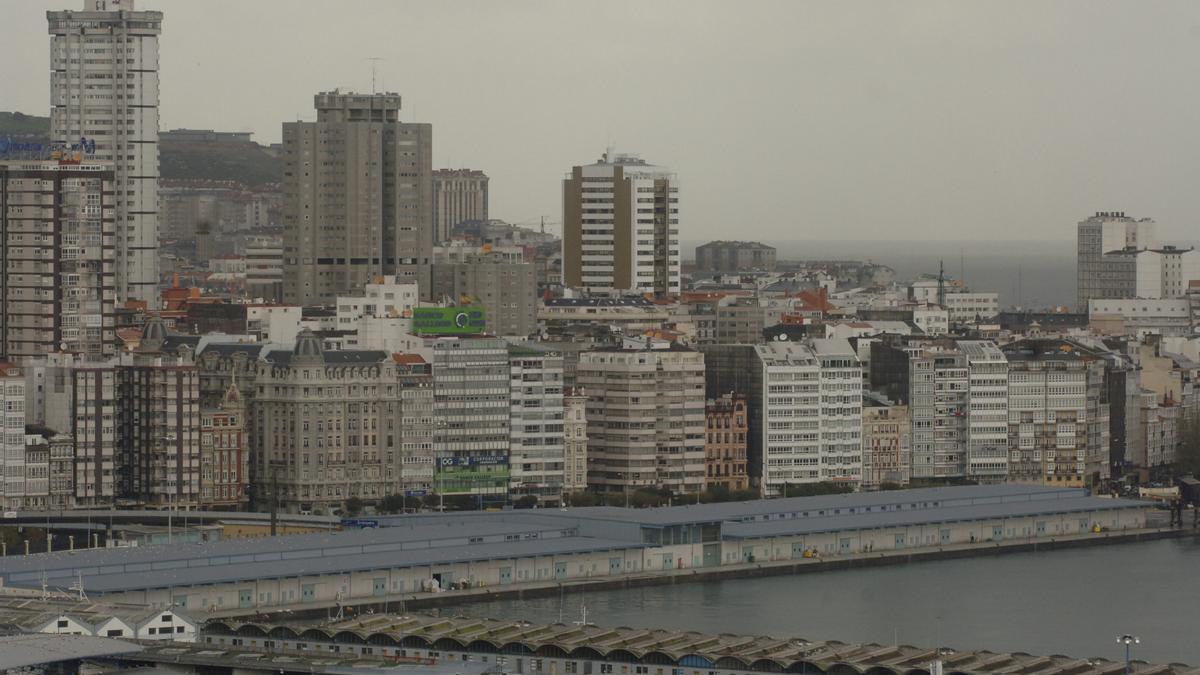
column 960, row 122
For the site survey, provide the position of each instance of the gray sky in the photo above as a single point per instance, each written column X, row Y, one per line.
column 784, row 120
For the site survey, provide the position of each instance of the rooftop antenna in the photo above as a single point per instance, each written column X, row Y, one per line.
column 374, row 63
column 941, row 289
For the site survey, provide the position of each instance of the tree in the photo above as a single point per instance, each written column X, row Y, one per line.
column 582, row 498
column 354, row 506
column 525, row 502
column 824, row 487
column 392, row 504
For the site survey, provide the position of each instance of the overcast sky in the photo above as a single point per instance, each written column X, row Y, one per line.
column 783, row 120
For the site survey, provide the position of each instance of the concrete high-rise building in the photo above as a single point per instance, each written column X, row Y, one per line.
column 956, row 398
column 57, row 255
column 104, row 87
column 415, row 427
column 358, row 197
column 645, row 416
column 1101, row 234
column 536, row 452
column 1058, row 413
column 621, row 227
column 471, row 388
column 459, row 196
column 503, row 285
column 734, row 256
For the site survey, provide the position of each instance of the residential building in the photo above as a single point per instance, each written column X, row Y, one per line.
column 1058, row 415
column 1103, row 233
column 956, row 394
column 472, row 411
column 12, row 436
column 57, row 224
column 459, row 196
column 158, row 424
column 104, row 87
column 264, row 271
column 887, row 443
column 725, row 442
column 804, row 402
column 414, row 431
column 575, row 470
column 621, row 227
column 224, row 454
column 499, row 282
column 358, row 197
column 322, row 421
column 987, row 411
column 645, row 417
column 719, row 257
column 536, row 441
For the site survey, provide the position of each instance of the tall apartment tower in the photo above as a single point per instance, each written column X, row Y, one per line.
column 104, row 87
column 358, row 197
column 1107, row 232
column 621, row 227
column 459, row 196
column 57, row 290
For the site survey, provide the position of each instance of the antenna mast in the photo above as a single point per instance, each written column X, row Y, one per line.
column 374, row 63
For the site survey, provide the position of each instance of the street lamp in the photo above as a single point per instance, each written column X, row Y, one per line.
column 1128, row 641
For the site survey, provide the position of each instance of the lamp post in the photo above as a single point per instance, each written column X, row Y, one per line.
column 1128, row 641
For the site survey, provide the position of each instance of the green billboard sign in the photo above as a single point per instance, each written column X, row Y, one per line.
column 447, row 320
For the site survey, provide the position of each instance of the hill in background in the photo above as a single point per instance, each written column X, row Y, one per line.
column 244, row 162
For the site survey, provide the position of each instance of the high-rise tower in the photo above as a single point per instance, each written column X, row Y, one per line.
column 104, row 87
column 621, row 227
column 358, row 198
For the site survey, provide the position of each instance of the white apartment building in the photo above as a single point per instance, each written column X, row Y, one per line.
column 536, row 454
column 810, row 416
column 104, row 87
column 1058, row 415
column 931, row 319
column 621, row 227
column 987, row 411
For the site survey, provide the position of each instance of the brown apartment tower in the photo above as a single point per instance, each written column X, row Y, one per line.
column 621, row 227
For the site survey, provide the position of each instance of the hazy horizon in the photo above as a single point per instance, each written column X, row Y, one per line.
column 854, row 120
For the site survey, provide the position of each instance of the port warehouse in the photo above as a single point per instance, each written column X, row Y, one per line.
column 575, row 649
column 407, row 554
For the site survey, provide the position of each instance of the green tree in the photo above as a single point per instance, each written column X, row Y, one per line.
column 354, row 506
column 525, row 502
column 392, row 504
column 822, row 488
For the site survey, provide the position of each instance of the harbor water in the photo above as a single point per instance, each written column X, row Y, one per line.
column 1071, row 601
